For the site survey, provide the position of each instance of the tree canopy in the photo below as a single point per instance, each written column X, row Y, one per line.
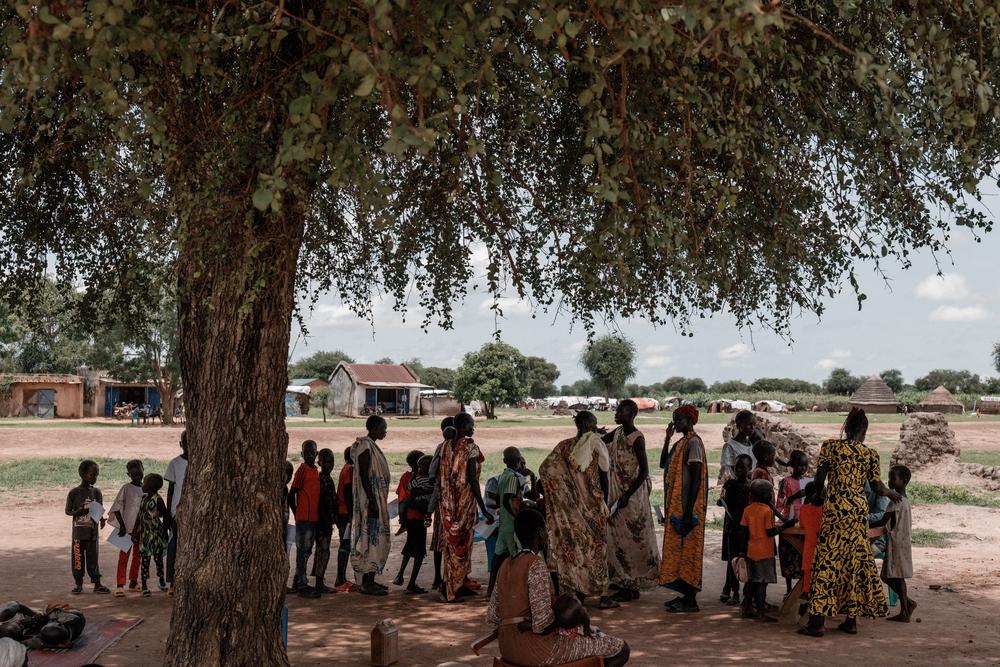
column 683, row 385
column 613, row 159
column 541, row 376
column 996, row 356
column 319, row 364
column 893, row 377
column 955, row 381
column 610, row 360
column 842, row 382
column 494, row 374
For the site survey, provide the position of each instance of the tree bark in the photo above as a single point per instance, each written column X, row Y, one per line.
column 235, row 300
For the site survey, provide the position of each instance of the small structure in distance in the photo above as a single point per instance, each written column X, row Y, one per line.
column 364, row 389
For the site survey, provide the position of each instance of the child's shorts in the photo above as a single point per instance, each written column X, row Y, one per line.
column 762, row 571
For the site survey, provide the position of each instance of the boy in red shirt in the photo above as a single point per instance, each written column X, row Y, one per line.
column 345, row 510
column 303, row 500
column 758, row 523
column 810, row 518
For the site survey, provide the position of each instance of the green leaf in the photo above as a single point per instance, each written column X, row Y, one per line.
column 366, row 86
column 61, row 31
column 300, row 105
column 262, row 198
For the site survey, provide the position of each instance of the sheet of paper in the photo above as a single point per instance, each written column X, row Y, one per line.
column 122, row 543
column 96, row 511
column 484, row 529
column 394, row 509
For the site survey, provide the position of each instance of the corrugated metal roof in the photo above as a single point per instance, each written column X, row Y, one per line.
column 395, row 374
column 55, row 378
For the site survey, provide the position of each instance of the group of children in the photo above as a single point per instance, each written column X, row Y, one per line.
column 749, row 529
column 143, row 521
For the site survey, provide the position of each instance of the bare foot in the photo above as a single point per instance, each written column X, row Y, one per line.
column 900, row 618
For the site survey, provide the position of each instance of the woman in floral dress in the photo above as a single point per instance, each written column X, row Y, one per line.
column 844, row 577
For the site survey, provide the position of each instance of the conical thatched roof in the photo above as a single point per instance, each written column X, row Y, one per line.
column 939, row 397
column 874, row 392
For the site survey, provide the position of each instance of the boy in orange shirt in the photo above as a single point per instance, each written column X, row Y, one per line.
column 810, row 518
column 758, row 524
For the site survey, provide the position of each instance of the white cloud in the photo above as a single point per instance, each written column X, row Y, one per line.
column 827, row 364
column 656, row 349
column 332, row 315
column 508, row 306
column 734, row 352
column 840, row 354
column 656, row 361
column 959, row 314
column 946, row 287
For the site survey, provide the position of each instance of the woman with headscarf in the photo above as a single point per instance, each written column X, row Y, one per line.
column 633, row 558
column 844, row 577
column 460, row 495
column 685, row 495
column 575, row 475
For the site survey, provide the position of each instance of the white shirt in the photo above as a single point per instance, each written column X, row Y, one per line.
column 127, row 502
column 176, row 470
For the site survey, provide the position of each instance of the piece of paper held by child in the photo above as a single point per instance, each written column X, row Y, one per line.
column 95, row 511
column 120, row 542
column 394, row 509
column 484, row 529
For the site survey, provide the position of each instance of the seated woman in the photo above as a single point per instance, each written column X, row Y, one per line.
column 521, row 609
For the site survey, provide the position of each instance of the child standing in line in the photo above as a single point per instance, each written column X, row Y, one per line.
column 345, row 510
column 150, row 531
column 304, row 503
column 509, row 490
column 758, row 522
column 85, row 530
column 810, row 518
column 735, row 497
column 327, row 515
column 897, row 566
column 764, row 453
column 418, row 490
column 124, row 512
column 174, row 475
column 790, row 492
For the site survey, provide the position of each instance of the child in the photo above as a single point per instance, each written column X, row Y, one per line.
column 509, row 490
column 571, row 618
column 85, row 531
column 810, row 518
column 327, row 515
column 735, row 497
column 789, row 502
column 402, row 497
column 303, row 500
column 150, row 533
column 124, row 512
column 174, row 475
column 418, row 490
column 345, row 509
column 764, row 453
column 897, row 566
column 758, row 520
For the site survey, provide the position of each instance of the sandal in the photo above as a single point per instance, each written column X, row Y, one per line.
column 376, row 591
column 416, row 590
column 681, row 607
column 608, row 603
column 843, row 627
column 809, row 632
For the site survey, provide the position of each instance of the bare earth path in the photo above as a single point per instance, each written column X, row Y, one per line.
column 960, row 624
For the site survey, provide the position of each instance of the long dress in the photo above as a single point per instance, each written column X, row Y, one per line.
column 524, row 592
column 576, row 519
column 633, row 557
column 844, row 577
column 682, row 556
column 459, row 514
column 370, row 534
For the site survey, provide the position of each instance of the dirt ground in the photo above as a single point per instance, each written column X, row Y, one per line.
column 959, row 624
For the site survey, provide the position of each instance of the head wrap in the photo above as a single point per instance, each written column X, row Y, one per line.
column 12, row 653
column 583, row 452
column 688, row 411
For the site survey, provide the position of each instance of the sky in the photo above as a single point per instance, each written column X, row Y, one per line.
column 914, row 321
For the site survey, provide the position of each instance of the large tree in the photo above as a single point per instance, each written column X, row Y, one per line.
column 610, row 360
column 319, row 364
column 842, row 383
column 612, row 158
column 964, row 382
column 541, row 376
column 893, row 377
column 996, row 356
column 495, row 374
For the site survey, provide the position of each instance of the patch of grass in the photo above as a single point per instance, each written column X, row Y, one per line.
column 982, row 458
column 58, row 473
column 715, row 523
column 922, row 493
column 925, row 537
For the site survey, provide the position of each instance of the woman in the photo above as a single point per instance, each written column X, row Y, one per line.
column 521, row 609
column 370, row 521
column 740, row 442
column 685, row 496
column 460, row 495
column 844, row 577
column 576, row 496
column 633, row 558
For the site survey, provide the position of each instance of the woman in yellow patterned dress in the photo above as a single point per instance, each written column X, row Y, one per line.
column 844, row 577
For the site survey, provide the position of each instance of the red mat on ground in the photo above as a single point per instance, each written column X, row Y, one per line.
column 97, row 636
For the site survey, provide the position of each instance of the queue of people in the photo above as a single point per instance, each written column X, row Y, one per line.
column 583, row 529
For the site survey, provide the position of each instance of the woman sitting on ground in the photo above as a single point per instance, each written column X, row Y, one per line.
column 521, row 609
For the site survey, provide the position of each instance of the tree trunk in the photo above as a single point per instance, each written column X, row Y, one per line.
column 235, row 298
column 166, row 401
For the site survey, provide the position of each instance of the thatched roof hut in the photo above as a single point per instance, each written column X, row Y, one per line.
column 940, row 400
column 875, row 396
